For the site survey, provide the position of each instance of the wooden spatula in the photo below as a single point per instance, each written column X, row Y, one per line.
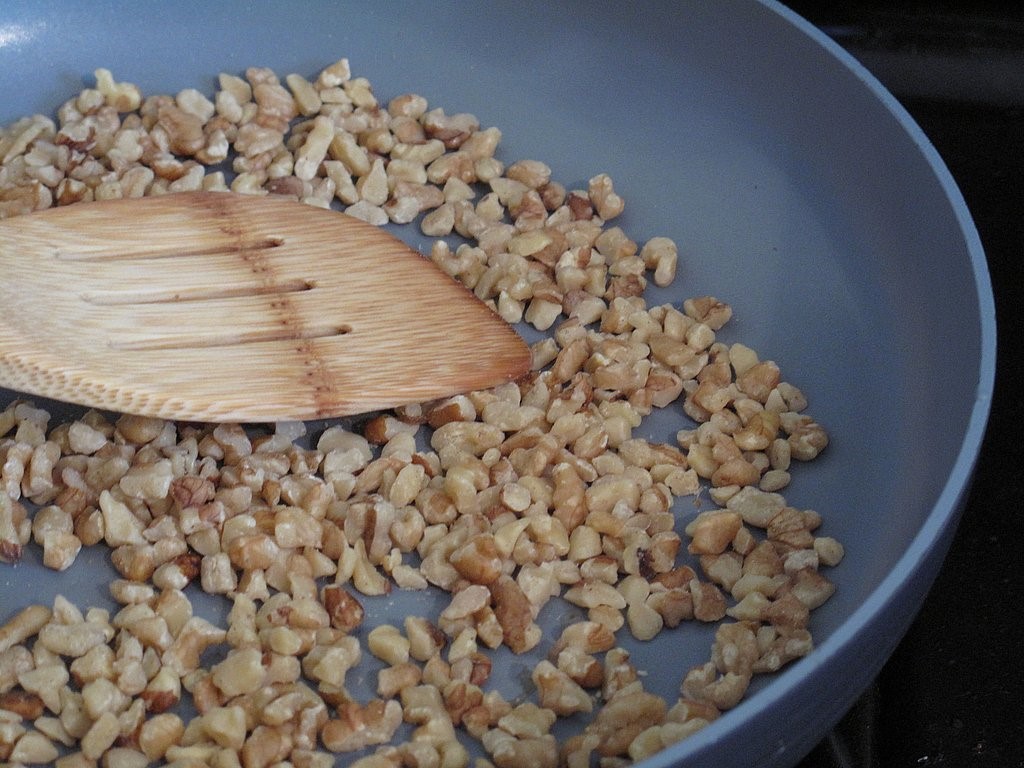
column 225, row 307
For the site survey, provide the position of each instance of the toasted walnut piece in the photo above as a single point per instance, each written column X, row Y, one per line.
column 610, row 491
column 515, row 614
column 472, row 437
column 735, row 648
column 307, row 99
column 778, row 451
column 787, row 611
column 756, row 507
column 134, row 562
column 602, row 196
column 423, row 704
column 478, row 719
column 724, row 570
column 139, row 430
column 357, row 727
column 789, row 527
column 735, row 472
column 687, row 710
column 759, row 380
column 807, row 438
column 124, row 757
column 72, row 640
column 438, row 222
column 781, row 645
column 27, row 705
column 52, row 728
column 590, row 593
column 15, row 527
column 97, row 663
column 724, row 691
column 177, row 573
column 830, row 552
column 587, row 636
column 241, row 672
column 584, row 546
column 578, row 750
column 570, row 360
column 799, row 559
column 425, row 639
column 216, row 574
column 463, row 646
column 394, row 679
column 712, row 532
column 460, row 696
column 45, row 681
column 488, row 630
column 623, row 718
column 644, row 621
column 657, row 738
column 758, row 433
column 345, row 610
column 774, row 480
column 532, row 173
column 254, row 551
column 120, row 526
column 33, row 748
column 527, row 720
column 103, row 695
column 558, row 692
column 124, row 97
column 608, row 617
column 467, row 601
column 329, row 664
column 811, row 588
column 83, row 438
column 453, row 130
column 478, row 560
column 388, row 644
column 162, row 691
column 507, row 751
column 194, row 102
column 584, row 669
column 100, row 736
column 23, row 625
column 661, row 255
column 794, row 399
column 225, row 725
column 708, row 601
column 709, row 311
column 335, row 74
column 265, row 746
column 674, row 605
column 619, row 673
column 51, row 520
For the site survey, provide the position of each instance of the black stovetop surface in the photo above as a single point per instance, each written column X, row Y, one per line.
column 953, row 692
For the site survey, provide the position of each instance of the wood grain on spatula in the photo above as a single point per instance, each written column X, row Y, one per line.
column 224, row 307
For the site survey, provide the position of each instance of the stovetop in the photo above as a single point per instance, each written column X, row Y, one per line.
column 952, row 693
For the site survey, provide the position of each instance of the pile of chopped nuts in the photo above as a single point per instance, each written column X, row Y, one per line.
column 504, row 499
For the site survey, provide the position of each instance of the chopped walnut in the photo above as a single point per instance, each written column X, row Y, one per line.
column 506, row 499
column 357, row 727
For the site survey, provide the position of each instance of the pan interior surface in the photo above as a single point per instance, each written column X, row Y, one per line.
column 797, row 189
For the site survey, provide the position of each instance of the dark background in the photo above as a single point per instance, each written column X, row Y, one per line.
column 953, row 692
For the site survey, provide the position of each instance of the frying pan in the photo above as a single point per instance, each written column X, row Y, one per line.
column 797, row 189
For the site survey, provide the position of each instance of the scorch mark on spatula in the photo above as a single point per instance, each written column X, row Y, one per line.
column 230, row 339
column 194, row 293
column 137, row 253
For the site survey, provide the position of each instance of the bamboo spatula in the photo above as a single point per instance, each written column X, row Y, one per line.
column 225, row 307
